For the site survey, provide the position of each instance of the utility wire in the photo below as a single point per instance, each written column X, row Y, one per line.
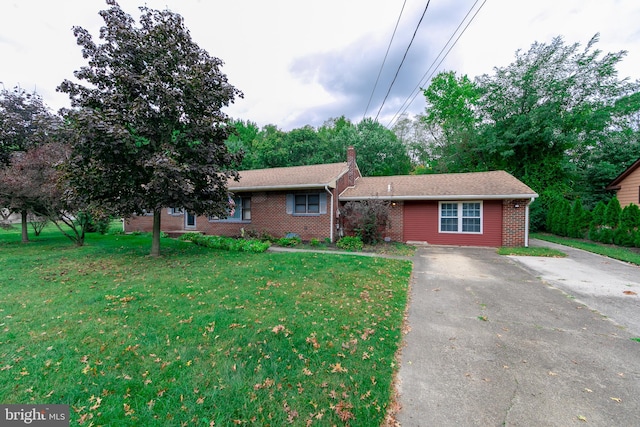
column 423, row 80
column 383, row 61
column 403, row 58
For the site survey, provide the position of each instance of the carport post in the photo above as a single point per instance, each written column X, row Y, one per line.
column 526, row 223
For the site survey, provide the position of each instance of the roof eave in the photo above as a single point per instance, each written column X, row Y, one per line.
column 615, row 184
column 444, row 197
column 284, row 187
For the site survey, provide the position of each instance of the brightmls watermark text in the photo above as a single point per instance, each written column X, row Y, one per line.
column 34, row 415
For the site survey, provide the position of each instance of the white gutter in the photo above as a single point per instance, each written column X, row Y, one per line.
column 444, row 197
column 284, row 187
column 326, row 188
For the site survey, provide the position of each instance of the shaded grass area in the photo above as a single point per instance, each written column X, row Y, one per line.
column 532, row 251
column 382, row 248
column 631, row 255
column 197, row 336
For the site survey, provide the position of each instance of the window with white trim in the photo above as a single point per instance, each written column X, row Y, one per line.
column 239, row 210
column 460, row 217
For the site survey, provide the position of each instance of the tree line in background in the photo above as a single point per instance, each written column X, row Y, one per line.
column 148, row 132
column 558, row 118
column 379, row 151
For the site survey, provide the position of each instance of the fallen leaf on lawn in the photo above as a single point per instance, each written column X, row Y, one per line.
column 337, row 367
column 97, row 405
column 84, row 417
column 127, row 409
column 582, row 418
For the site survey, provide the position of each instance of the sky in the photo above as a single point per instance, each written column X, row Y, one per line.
column 303, row 62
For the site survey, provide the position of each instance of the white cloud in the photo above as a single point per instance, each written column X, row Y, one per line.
column 303, row 62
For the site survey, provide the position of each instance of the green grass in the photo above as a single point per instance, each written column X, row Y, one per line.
column 532, row 251
column 611, row 251
column 197, row 336
column 384, row 248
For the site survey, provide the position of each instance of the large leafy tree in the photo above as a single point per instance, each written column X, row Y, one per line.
column 150, row 128
column 242, row 141
column 553, row 101
column 380, row 153
column 558, row 118
column 34, row 184
column 451, row 119
column 25, row 124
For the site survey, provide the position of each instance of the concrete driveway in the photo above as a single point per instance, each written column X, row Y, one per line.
column 493, row 341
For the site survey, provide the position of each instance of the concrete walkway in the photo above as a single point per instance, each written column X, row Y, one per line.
column 493, row 343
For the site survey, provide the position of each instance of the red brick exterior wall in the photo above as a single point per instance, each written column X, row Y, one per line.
column 268, row 212
column 395, row 226
column 514, row 222
column 268, row 215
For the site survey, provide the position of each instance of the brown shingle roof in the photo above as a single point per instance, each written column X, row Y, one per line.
column 475, row 185
column 313, row 176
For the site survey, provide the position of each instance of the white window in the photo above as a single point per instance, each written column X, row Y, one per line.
column 460, row 217
column 175, row 211
column 239, row 210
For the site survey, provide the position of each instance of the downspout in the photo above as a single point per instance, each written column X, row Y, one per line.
column 326, row 188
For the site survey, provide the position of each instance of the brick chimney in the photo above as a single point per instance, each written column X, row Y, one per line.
column 351, row 164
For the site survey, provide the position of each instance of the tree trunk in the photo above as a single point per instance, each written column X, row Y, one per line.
column 155, row 242
column 25, row 233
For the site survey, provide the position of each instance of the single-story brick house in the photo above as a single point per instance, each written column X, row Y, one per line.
column 627, row 185
column 470, row 209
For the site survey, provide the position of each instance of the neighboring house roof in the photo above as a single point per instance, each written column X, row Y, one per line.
column 455, row 186
column 289, row 178
column 615, row 184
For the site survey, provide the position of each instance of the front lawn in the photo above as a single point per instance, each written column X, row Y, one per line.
column 197, row 336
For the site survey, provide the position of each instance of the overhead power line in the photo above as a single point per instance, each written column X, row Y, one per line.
column 424, row 80
column 384, row 60
column 403, row 58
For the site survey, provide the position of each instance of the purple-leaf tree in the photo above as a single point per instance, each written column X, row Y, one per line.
column 150, row 131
